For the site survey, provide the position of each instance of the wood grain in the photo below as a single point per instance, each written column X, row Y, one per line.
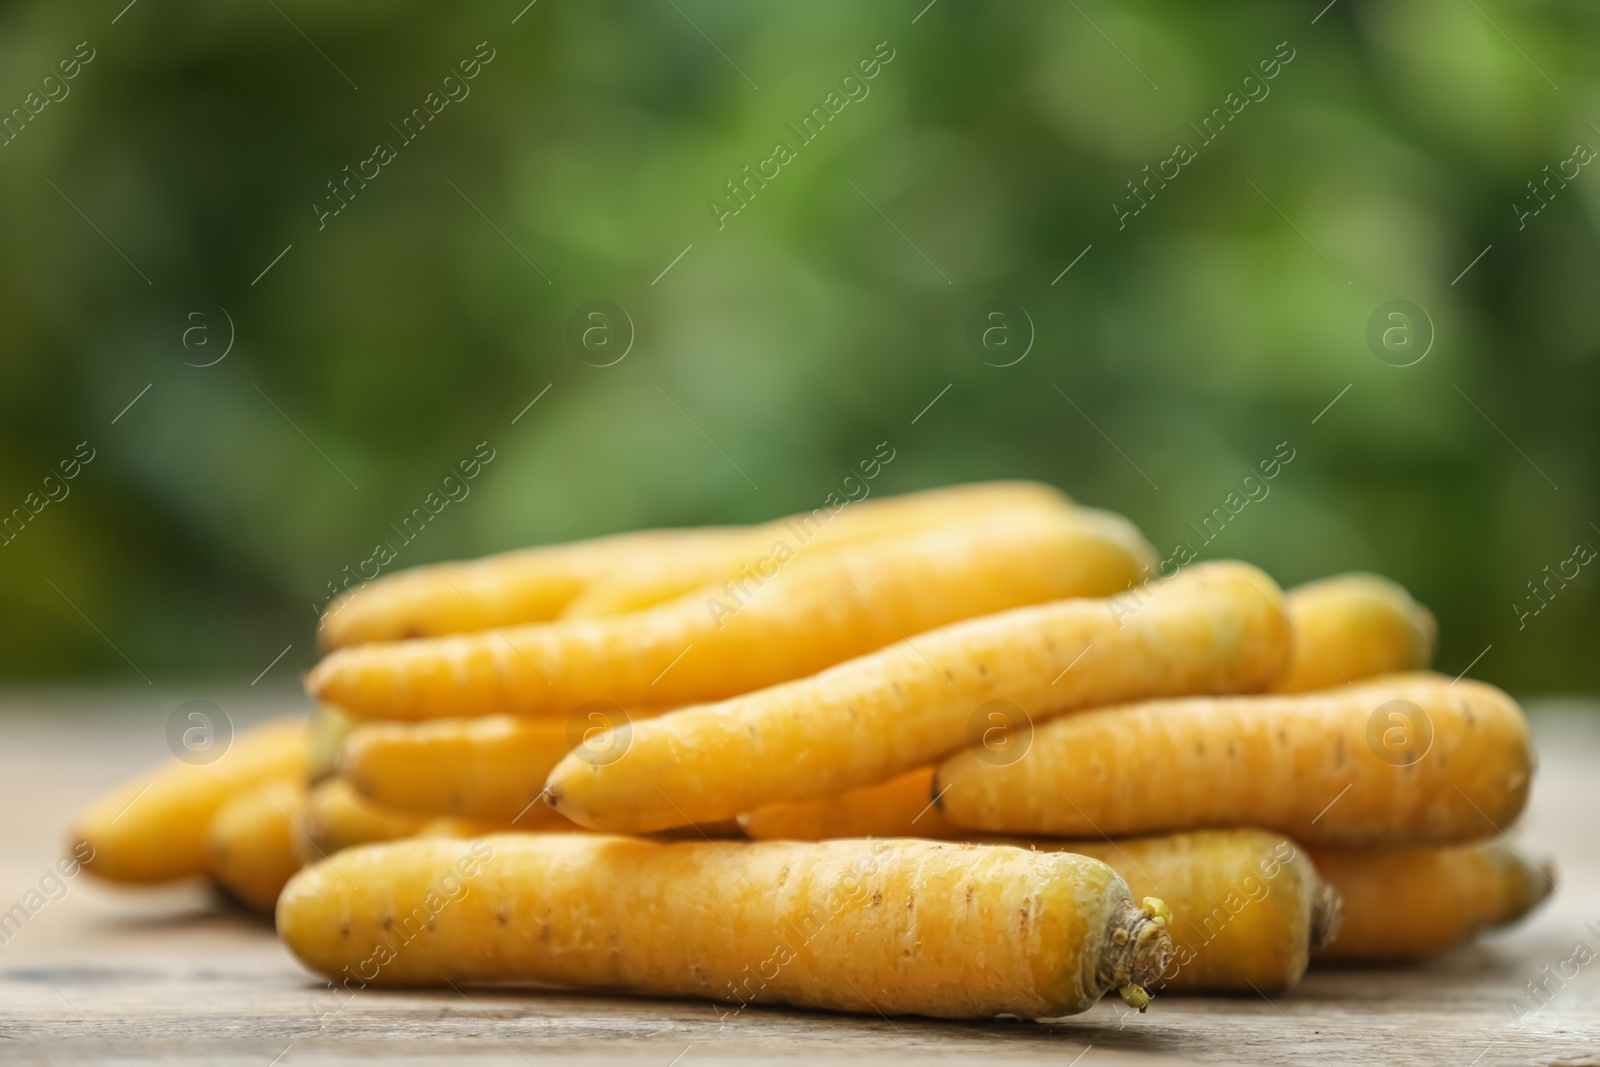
column 111, row 976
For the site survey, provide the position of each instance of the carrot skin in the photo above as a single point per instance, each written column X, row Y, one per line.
column 250, row 846
column 492, row 769
column 900, row 807
column 1248, row 906
column 529, row 585
column 152, row 829
column 646, row 581
column 891, row 927
column 1329, row 613
column 335, row 817
column 1216, row 628
column 326, row 729
column 1314, row 766
column 1408, row 903
column 1351, row 627
column 631, row 570
column 816, row 611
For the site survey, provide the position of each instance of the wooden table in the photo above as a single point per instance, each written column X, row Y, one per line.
column 111, row 976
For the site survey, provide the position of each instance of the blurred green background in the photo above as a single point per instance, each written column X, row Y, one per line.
column 380, row 349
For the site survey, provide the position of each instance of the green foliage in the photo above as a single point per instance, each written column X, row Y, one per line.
column 817, row 321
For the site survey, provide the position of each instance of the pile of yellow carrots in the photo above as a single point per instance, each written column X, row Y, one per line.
column 957, row 753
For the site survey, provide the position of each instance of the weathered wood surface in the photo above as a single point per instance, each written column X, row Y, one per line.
column 104, row 976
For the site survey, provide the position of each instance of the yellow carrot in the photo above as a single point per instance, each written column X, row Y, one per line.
column 1351, row 627
column 1216, row 628
column 900, row 807
column 491, row 769
column 646, row 581
column 640, row 586
column 153, row 828
column 327, row 729
column 1329, row 613
column 1402, row 760
column 891, row 927
column 335, row 817
column 469, row 777
column 250, row 846
column 538, row 584
column 725, row 830
column 820, row 610
column 530, row 585
column 1248, row 908
column 458, row 827
column 1417, row 902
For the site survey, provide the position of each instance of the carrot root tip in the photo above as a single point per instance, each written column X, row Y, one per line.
column 1327, row 914
column 1136, row 951
column 1157, row 909
column 1135, row 996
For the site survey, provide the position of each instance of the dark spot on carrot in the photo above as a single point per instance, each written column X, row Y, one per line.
column 387, row 922
column 877, row 897
column 503, row 914
column 1199, row 748
column 344, row 927
column 911, row 901
column 1233, row 750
